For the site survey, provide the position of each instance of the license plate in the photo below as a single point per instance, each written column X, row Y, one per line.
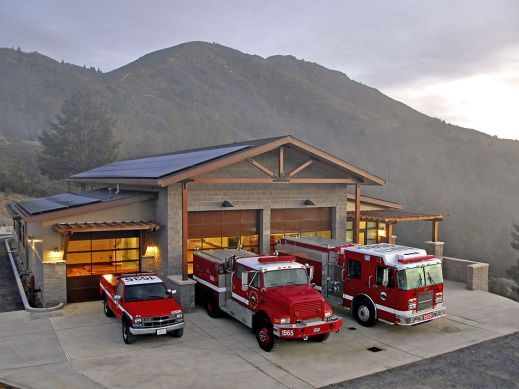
column 162, row 331
column 428, row 316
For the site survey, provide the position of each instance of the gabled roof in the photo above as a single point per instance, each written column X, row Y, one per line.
column 166, row 169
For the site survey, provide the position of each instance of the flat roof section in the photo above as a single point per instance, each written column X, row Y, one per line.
column 394, row 216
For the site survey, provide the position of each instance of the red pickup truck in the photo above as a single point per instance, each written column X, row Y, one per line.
column 143, row 304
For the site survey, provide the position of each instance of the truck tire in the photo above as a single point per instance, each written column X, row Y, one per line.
column 177, row 333
column 320, row 338
column 212, row 307
column 364, row 312
column 128, row 337
column 108, row 312
column 265, row 336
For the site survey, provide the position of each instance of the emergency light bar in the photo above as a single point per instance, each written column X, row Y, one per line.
column 273, row 259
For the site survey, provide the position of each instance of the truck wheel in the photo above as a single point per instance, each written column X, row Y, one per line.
column 364, row 312
column 265, row 336
column 108, row 312
column 128, row 337
column 212, row 307
column 177, row 333
column 320, row 338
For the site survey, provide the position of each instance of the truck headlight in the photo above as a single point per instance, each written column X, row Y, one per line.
column 179, row 315
column 328, row 314
column 282, row 320
column 137, row 322
column 411, row 305
column 438, row 297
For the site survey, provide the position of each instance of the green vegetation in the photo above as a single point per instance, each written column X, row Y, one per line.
column 199, row 94
column 81, row 137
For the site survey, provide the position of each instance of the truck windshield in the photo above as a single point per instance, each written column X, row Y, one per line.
column 420, row 276
column 146, row 292
column 285, row 277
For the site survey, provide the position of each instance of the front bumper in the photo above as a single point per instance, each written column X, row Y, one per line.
column 153, row 330
column 421, row 317
column 308, row 328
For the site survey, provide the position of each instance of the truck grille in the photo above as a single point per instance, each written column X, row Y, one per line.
column 308, row 310
column 425, row 300
column 158, row 321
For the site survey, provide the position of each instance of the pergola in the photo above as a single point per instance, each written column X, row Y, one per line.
column 393, row 216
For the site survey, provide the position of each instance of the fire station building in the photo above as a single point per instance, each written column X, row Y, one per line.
column 152, row 213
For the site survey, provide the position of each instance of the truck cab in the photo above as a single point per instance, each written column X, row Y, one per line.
column 273, row 295
column 391, row 283
column 143, row 304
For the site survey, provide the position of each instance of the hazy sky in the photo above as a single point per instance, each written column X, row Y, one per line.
column 456, row 60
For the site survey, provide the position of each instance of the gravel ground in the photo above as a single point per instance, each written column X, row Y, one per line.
column 491, row 364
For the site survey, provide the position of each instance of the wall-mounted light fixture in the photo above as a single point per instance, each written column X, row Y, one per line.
column 55, row 251
column 308, row 202
column 227, row 204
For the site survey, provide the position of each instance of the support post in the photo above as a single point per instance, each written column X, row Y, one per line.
column 435, row 225
column 356, row 225
column 184, row 230
column 389, row 233
column 281, row 162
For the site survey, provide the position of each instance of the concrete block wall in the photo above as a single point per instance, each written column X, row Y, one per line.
column 473, row 274
column 54, row 289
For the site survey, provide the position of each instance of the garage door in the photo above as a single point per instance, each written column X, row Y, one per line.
column 90, row 255
column 300, row 222
column 222, row 229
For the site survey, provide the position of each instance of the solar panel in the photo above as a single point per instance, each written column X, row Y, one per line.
column 71, row 200
column 40, row 205
column 160, row 166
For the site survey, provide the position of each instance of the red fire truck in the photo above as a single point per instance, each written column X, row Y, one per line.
column 143, row 304
column 270, row 294
column 391, row 283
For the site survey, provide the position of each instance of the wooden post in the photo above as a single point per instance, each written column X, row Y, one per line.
column 281, row 162
column 184, row 230
column 356, row 225
column 435, row 225
column 389, row 233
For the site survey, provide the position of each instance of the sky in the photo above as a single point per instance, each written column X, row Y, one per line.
column 454, row 60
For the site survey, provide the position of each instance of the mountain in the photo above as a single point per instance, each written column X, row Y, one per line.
column 199, row 94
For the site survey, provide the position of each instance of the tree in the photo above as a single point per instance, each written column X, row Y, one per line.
column 80, row 138
column 513, row 272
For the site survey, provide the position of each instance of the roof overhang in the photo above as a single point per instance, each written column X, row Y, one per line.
column 360, row 176
column 70, row 228
column 375, row 201
column 394, row 216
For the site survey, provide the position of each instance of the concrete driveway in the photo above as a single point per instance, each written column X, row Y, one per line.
column 80, row 347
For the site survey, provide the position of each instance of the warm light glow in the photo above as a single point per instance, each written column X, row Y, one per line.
column 54, row 255
column 382, row 233
column 150, row 251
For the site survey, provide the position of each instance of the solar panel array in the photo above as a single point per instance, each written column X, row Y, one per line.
column 54, row 203
column 159, row 166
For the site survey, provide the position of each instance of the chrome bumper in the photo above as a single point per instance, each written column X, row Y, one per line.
column 153, row 330
column 422, row 317
column 308, row 328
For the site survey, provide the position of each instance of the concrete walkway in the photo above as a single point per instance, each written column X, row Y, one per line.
column 80, row 347
column 9, row 296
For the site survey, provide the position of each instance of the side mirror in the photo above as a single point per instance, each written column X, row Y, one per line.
column 117, row 297
column 171, row 292
column 245, row 281
column 385, row 277
column 310, row 272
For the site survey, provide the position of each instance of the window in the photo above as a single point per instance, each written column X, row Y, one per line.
column 380, row 276
column 119, row 291
column 100, row 253
column 239, row 271
column 369, row 232
column 256, row 279
column 354, row 269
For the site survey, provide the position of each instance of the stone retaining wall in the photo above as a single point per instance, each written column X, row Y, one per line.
column 473, row 274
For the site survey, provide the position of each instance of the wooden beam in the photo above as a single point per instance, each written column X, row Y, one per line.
column 262, row 167
column 435, row 227
column 275, row 180
column 281, row 162
column 389, row 233
column 356, row 226
column 184, row 230
column 299, row 168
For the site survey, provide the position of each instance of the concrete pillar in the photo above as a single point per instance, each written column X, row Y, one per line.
column 264, row 231
column 434, row 248
column 185, row 295
column 54, row 289
column 339, row 219
column 174, row 265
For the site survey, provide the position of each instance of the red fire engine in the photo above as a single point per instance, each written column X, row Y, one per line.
column 270, row 294
column 391, row 283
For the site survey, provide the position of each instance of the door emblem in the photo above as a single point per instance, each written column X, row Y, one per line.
column 383, row 296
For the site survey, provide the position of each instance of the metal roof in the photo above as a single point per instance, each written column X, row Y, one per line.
column 160, row 166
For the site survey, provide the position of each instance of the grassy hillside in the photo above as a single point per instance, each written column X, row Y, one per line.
column 199, row 94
